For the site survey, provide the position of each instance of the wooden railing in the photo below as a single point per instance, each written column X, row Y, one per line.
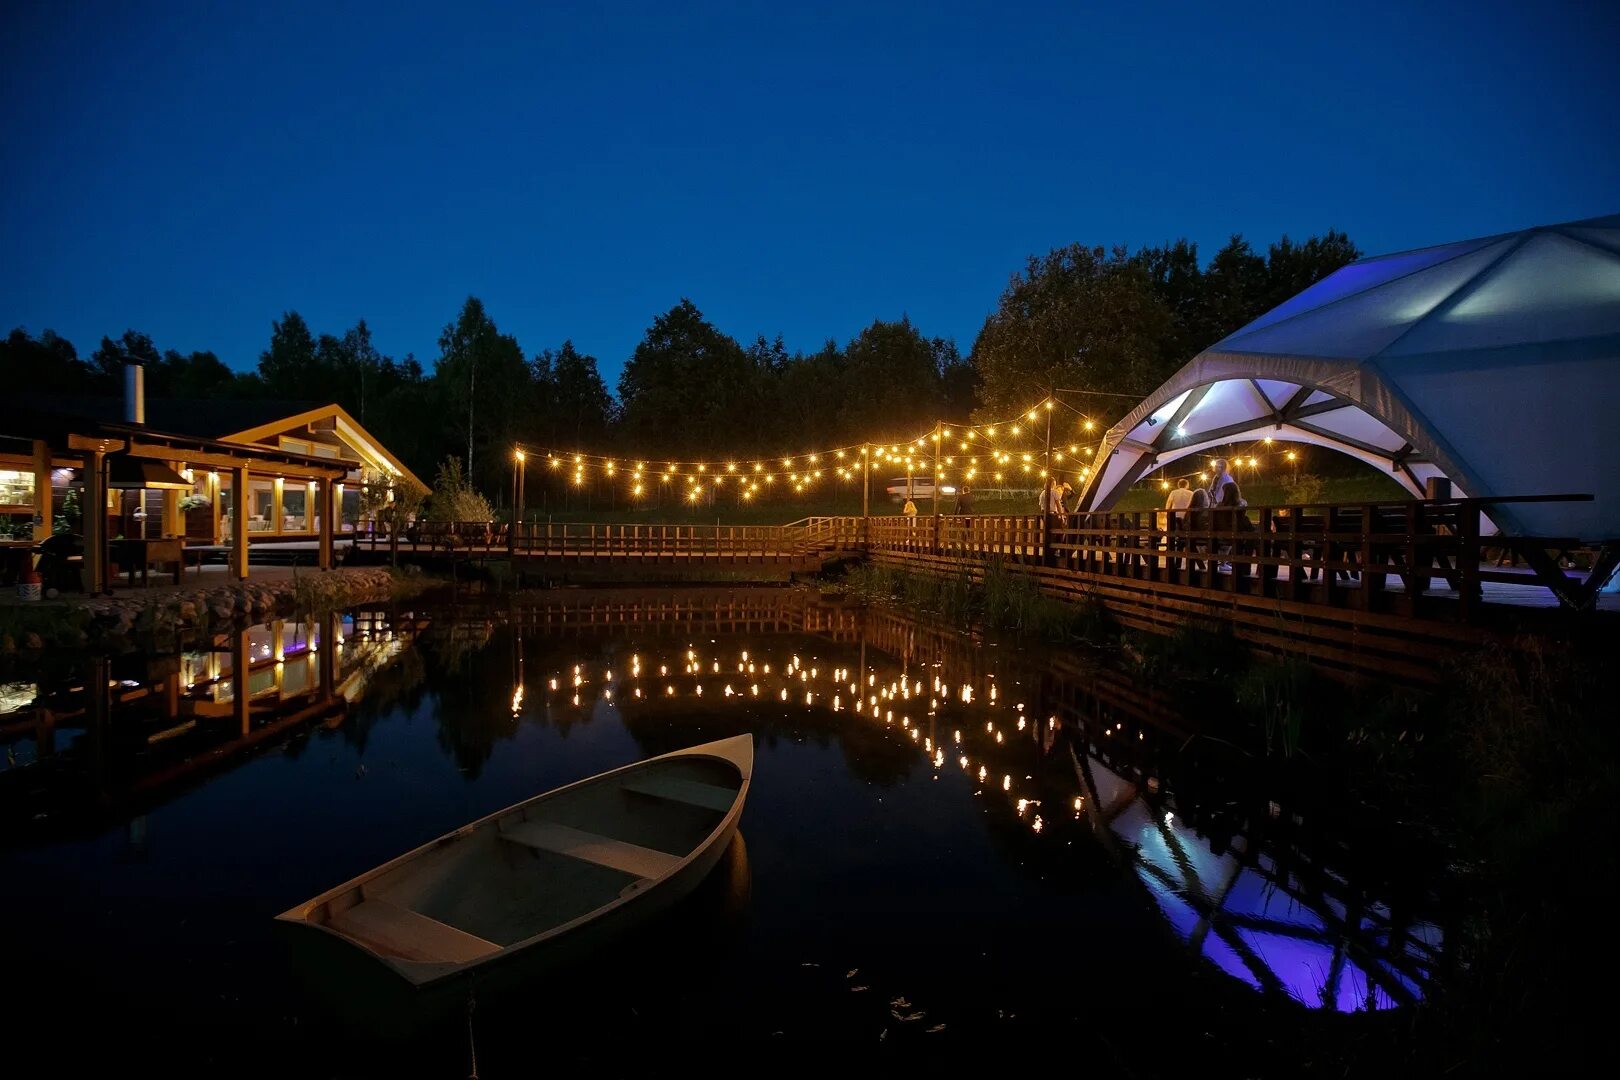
column 1374, row 556
column 1379, row 556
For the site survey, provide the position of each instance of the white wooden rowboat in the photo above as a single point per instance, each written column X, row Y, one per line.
column 544, row 880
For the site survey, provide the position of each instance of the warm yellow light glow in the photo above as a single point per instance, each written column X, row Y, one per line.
column 731, row 466
column 1015, row 429
column 520, row 455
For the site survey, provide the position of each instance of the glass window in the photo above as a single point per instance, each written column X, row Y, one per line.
column 226, row 502
column 351, row 509
column 294, row 507
column 16, row 488
column 261, row 506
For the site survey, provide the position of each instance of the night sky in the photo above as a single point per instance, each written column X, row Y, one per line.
column 194, row 170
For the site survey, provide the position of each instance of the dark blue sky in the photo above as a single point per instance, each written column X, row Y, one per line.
column 194, row 170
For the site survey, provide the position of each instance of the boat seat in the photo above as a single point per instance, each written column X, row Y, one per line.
column 589, row 847
column 675, row 789
column 409, row 935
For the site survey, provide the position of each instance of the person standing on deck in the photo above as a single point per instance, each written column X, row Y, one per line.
column 1226, row 496
column 1051, row 506
column 1176, row 503
column 964, row 500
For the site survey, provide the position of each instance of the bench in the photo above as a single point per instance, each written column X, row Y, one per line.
column 691, row 792
column 589, row 847
column 408, row 934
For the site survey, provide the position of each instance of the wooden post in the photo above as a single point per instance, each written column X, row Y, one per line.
column 42, row 490
column 325, row 487
column 95, row 522
column 278, row 488
column 173, row 523
column 215, row 491
column 331, row 642
column 278, row 652
column 239, row 523
column 241, row 662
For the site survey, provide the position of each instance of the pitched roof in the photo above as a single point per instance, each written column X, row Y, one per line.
column 205, row 418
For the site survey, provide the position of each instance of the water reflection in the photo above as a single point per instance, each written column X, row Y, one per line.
column 88, row 740
column 978, row 797
column 1056, row 742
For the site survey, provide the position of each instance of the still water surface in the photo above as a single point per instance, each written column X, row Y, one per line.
column 947, row 841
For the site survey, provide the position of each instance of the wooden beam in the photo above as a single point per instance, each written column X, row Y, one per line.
column 262, row 464
column 95, row 444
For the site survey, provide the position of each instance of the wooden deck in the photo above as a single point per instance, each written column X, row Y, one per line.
column 1393, row 588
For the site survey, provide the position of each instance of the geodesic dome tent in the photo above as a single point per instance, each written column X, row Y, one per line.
column 1494, row 363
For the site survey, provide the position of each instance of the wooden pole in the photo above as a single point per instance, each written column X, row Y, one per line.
column 938, row 427
column 866, row 492
column 42, row 490
column 95, row 522
column 1049, row 438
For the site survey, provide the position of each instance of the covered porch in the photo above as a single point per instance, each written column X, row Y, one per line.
column 105, row 463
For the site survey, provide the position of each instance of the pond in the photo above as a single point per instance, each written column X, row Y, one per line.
column 947, row 841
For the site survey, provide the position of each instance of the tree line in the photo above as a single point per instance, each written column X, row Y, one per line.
column 1104, row 321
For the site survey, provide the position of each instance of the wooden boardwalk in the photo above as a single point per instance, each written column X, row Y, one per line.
column 1395, row 589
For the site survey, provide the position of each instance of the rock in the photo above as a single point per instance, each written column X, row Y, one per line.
column 33, row 641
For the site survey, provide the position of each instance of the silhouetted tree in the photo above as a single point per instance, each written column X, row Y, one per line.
column 683, row 390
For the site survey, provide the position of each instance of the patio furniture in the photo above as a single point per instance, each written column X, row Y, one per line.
column 132, row 553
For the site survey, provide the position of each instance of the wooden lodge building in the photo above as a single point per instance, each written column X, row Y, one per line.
column 173, row 474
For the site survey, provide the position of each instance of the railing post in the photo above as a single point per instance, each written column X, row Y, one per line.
column 1468, row 587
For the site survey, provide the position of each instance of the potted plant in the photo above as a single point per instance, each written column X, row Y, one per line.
column 199, row 512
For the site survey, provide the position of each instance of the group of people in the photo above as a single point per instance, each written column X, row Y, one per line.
column 964, row 502
column 1223, row 492
column 1189, row 507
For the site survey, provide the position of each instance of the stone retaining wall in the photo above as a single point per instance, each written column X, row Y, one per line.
column 244, row 601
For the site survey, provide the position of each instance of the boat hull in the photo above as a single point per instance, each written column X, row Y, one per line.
column 364, row 988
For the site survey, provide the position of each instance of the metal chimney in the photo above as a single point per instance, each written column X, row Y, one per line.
column 134, row 394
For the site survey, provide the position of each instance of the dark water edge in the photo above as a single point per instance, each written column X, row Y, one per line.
column 1195, row 909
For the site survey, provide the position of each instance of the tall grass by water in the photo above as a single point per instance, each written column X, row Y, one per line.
column 1003, row 599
